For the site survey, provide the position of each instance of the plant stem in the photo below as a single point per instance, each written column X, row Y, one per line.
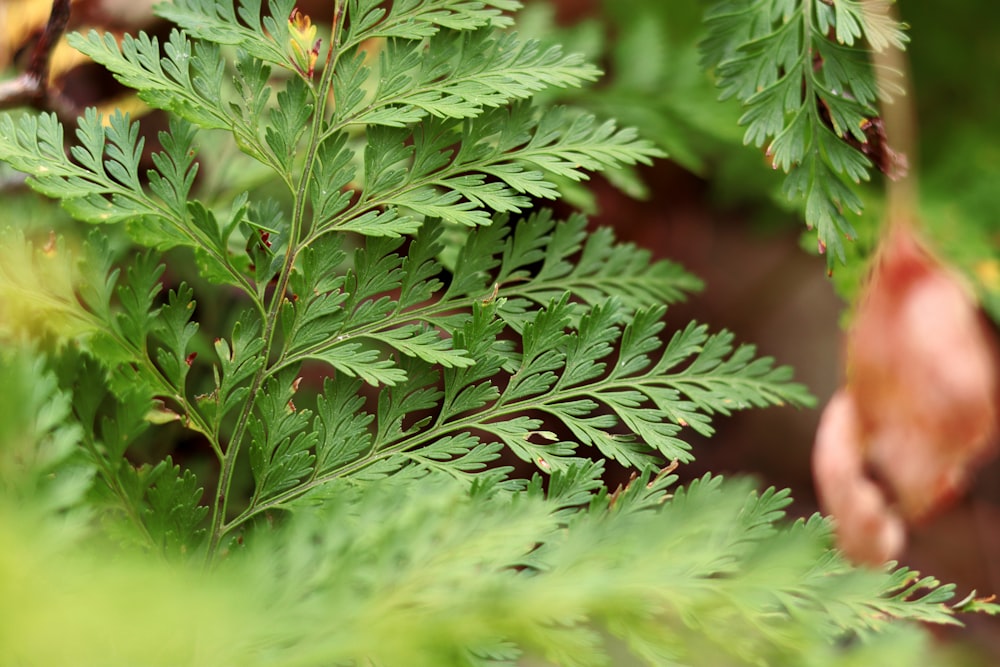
column 892, row 71
column 219, row 506
column 32, row 87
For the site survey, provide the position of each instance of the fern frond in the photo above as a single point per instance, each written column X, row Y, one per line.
column 459, row 75
column 422, row 573
column 101, row 183
column 803, row 74
column 186, row 80
column 656, row 573
column 280, row 448
column 503, row 158
column 540, row 258
column 396, row 339
column 242, row 24
column 418, row 19
column 578, row 379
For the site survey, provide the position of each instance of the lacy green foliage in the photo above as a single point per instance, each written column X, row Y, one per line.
column 479, row 571
column 428, row 571
column 801, row 69
column 389, row 329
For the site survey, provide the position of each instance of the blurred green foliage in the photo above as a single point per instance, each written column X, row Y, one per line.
column 648, row 47
column 955, row 66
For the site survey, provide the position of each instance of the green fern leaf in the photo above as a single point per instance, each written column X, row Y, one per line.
column 328, row 188
column 808, row 89
column 357, row 360
column 239, row 361
column 485, row 70
column 418, row 19
column 41, row 469
column 175, row 329
column 592, row 267
column 458, row 455
column 120, row 427
column 417, row 340
column 236, row 24
column 174, row 514
column 186, row 81
column 137, row 295
column 342, row 426
column 280, row 447
column 469, row 388
column 175, row 166
column 720, row 378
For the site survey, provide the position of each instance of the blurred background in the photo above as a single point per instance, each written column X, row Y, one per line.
column 716, row 207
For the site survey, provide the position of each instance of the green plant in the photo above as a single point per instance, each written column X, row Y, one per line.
column 804, row 75
column 378, row 318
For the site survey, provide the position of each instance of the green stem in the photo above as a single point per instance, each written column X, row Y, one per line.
column 295, row 245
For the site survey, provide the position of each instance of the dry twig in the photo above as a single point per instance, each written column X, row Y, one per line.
column 32, row 88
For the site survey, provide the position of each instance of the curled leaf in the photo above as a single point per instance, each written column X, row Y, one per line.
column 303, row 42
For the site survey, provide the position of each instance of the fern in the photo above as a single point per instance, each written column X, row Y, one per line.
column 331, row 387
column 801, row 70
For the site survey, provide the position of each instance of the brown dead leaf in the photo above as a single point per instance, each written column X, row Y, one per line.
column 919, row 409
column 868, row 530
